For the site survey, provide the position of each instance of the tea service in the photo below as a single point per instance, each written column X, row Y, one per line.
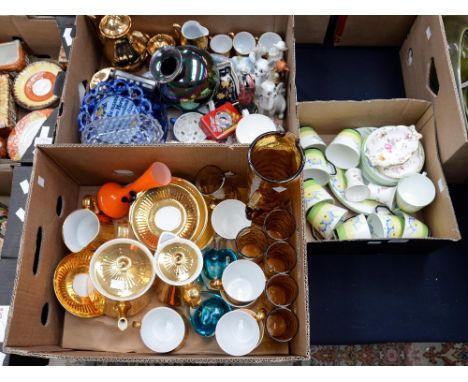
column 375, row 168
column 185, row 257
column 185, row 70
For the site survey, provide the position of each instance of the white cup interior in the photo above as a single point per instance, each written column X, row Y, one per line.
column 342, row 156
column 80, row 228
column 357, row 193
column 221, row 43
column 162, row 329
column 192, row 30
column 269, row 39
column 320, row 176
column 376, row 226
column 243, row 280
column 237, row 333
column 416, row 190
column 244, row 42
column 228, row 218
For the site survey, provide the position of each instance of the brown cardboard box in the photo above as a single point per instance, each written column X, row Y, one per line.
column 87, row 57
column 37, row 323
column 329, row 118
column 311, row 29
column 424, row 57
column 430, row 60
column 41, row 38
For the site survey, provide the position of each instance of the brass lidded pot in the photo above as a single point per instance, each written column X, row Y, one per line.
column 122, row 270
column 124, row 48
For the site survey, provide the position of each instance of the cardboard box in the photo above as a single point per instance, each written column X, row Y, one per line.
column 87, row 57
column 17, row 209
column 41, row 38
column 329, row 118
column 37, row 320
column 427, row 73
column 430, row 65
column 311, row 28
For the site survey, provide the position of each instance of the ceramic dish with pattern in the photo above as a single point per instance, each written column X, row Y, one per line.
column 391, row 145
column 177, row 208
column 338, row 185
column 370, row 173
column 73, row 288
column 412, row 166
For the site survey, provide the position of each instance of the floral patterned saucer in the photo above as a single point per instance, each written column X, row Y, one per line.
column 392, row 145
column 412, row 166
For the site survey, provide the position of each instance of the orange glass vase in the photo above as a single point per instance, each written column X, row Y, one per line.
column 114, row 199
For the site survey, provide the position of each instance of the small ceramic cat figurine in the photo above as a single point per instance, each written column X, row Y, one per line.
column 263, row 72
column 271, row 100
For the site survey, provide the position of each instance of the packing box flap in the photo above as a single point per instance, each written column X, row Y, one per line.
column 310, row 29
column 329, row 118
column 428, row 74
column 386, row 30
column 39, row 33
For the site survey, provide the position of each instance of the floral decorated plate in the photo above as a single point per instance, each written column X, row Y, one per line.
column 371, row 173
column 392, row 145
column 338, row 185
column 412, row 166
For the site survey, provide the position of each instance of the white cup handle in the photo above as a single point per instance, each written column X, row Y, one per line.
column 165, row 236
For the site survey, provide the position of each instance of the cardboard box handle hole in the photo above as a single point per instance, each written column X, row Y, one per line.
column 409, row 57
column 59, row 206
column 433, row 80
column 38, row 250
column 45, row 314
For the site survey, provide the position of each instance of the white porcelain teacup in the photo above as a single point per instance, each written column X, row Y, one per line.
column 221, row 44
column 244, row 43
column 79, row 229
column 356, row 190
column 228, row 218
column 243, row 282
column 414, row 192
column 413, row 228
column 345, row 149
column 162, row 330
column 240, row 331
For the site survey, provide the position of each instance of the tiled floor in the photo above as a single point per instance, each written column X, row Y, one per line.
column 403, row 354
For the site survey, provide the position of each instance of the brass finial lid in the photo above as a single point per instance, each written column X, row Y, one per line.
column 115, row 26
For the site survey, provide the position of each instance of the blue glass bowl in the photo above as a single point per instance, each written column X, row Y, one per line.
column 205, row 317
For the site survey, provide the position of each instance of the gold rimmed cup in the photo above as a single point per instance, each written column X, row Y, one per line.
column 251, row 243
column 281, row 290
column 282, row 325
column 280, row 257
column 279, row 224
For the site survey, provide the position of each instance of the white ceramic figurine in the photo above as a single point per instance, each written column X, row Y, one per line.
column 271, row 100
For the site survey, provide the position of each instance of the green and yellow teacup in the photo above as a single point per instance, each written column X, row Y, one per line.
column 324, row 217
column 310, row 139
column 385, row 225
column 345, row 150
column 413, row 228
column 354, row 228
column 314, row 193
column 317, row 167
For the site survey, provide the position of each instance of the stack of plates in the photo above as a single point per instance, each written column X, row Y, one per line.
column 178, row 208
